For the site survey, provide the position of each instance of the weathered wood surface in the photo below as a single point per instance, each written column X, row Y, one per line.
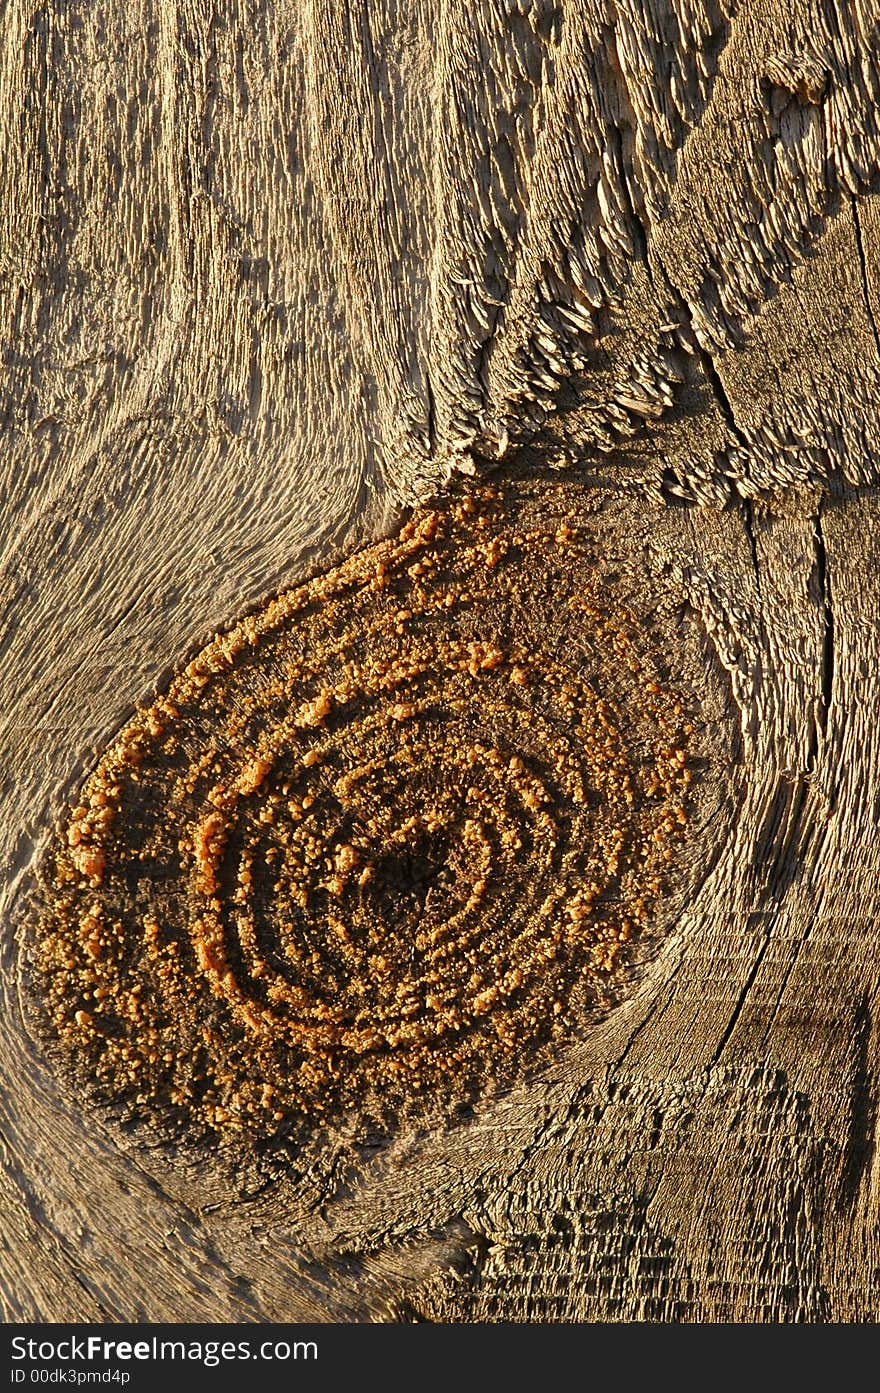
column 270, row 273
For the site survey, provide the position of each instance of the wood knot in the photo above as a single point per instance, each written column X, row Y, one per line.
column 797, row 75
column 375, row 843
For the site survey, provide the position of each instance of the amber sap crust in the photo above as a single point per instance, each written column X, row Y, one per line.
column 387, row 838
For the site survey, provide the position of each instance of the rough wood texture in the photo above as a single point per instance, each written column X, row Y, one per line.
column 270, row 273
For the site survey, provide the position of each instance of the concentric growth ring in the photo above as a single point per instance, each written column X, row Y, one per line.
column 388, row 835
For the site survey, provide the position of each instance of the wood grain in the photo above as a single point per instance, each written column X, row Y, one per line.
column 269, row 274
